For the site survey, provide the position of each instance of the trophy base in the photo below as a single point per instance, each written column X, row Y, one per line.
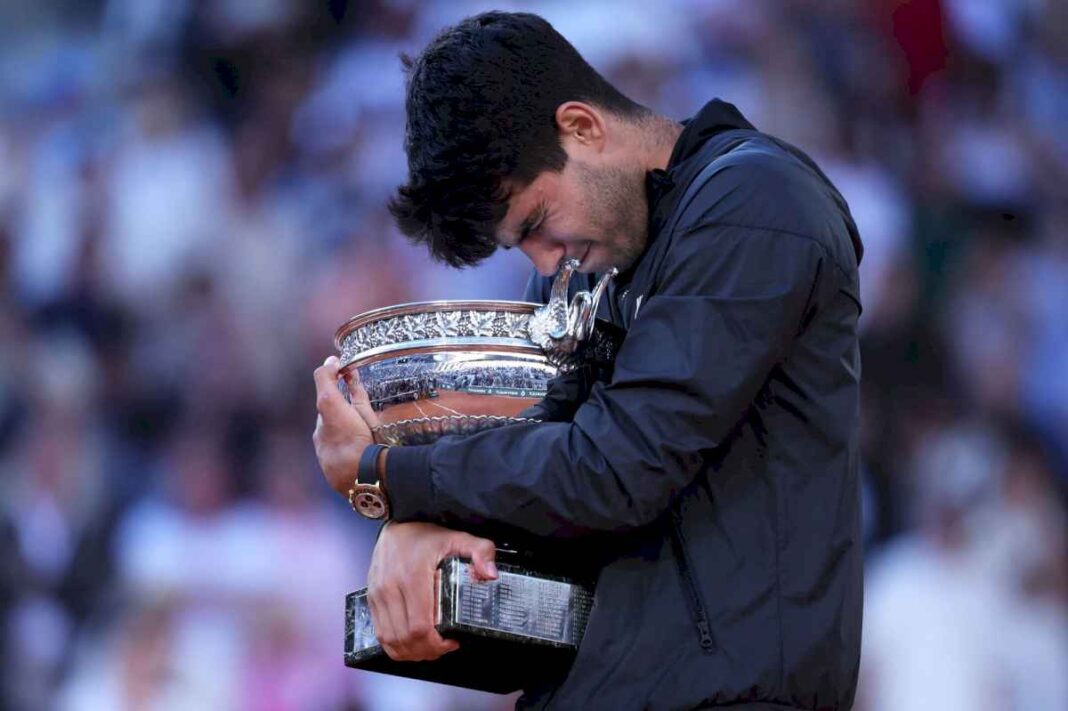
column 523, row 627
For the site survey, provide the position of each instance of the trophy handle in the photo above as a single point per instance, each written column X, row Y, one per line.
column 557, row 310
column 560, row 327
column 584, row 306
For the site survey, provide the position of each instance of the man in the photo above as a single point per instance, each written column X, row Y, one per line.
column 716, row 471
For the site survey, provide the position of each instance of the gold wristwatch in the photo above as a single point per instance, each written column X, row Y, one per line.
column 367, row 497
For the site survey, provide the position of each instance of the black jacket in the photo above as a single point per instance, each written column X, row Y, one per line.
column 719, row 465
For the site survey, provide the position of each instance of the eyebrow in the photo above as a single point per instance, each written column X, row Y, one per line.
column 528, row 224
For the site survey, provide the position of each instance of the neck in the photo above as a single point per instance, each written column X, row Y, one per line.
column 661, row 136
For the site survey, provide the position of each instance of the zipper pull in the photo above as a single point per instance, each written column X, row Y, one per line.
column 705, row 634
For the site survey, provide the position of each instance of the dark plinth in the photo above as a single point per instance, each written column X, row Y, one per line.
column 523, row 627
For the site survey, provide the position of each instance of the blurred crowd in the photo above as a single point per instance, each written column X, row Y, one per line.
column 192, row 199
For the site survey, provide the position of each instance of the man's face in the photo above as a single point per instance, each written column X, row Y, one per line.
column 591, row 210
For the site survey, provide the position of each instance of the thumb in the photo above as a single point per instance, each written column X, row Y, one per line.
column 482, row 553
column 360, row 400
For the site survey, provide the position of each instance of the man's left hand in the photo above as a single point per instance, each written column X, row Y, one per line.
column 400, row 585
column 343, row 429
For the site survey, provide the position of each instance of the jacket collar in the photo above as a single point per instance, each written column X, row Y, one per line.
column 664, row 188
column 715, row 117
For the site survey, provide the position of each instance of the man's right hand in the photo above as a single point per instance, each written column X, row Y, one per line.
column 400, row 585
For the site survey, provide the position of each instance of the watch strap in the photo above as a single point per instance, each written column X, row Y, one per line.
column 367, row 470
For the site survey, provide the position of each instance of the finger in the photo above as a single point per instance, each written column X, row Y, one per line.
column 482, row 553
column 390, row 639
column 482, row 560
column 399, row 614
column 425, row 642
column 392, row 652
column 328, row 399
column 360, row 399
column 433, row 646
column 383, row 617
column 317, row 433
column 400, row 640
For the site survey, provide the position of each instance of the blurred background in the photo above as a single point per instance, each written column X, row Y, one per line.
column 192, row 200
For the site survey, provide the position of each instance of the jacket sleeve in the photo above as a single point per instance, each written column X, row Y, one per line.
column 732, row 300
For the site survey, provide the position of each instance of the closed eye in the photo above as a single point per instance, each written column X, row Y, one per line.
column 530, row 225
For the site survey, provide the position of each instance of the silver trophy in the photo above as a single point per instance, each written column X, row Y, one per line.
column 458, row 367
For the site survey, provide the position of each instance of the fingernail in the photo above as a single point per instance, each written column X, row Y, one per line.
column 491, row 569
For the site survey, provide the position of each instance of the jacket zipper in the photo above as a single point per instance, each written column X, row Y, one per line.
column 693, row 593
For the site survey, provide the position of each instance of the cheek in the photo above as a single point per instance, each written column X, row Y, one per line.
column 569, row 229
column 572, row 220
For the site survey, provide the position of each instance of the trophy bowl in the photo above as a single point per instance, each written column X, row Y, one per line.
column 441, row 368
column 445, row 367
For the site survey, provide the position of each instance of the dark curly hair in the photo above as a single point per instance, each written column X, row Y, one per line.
column 481, row 108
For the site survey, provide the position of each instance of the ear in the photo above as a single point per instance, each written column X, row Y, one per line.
column 581, row 126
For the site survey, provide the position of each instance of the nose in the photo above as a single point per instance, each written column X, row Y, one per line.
column 545, row 255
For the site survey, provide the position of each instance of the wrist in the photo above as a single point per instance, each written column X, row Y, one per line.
column 367, row 496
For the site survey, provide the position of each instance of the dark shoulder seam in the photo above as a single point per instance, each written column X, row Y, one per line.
column 802, row 235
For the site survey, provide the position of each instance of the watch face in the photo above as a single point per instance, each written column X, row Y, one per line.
column 367, row 500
